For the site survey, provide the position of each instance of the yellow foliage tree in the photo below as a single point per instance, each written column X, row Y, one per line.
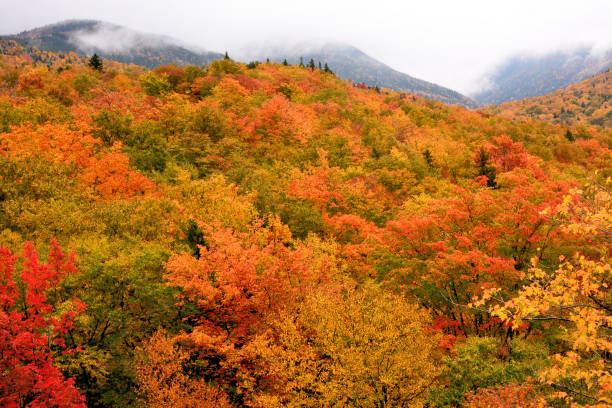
column 577, row 295
column 364, row 348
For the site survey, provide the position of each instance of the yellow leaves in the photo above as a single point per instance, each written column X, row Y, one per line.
column 575, row 295
column 212, row 200
column 232, row 95
column 361, row 344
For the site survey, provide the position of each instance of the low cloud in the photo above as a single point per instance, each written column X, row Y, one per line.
column 110, row 38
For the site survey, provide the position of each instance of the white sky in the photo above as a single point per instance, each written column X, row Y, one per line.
column 449, row 42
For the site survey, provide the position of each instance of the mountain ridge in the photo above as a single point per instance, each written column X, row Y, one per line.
column 346, row 61
column 586, row 103
column 524, row 76
column 122, row 44
column 114, row 42
column 349, row 62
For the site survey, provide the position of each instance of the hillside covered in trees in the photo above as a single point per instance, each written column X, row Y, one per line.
column 119, row 43
column 266, row 235
column 526, row 76
column 351, row 63
column 586, row 103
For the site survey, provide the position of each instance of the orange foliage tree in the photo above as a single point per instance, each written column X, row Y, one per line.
column 238, row 281
column 163, row 382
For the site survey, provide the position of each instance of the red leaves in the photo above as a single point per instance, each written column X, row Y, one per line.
column 26, row 322
column 508, row 395
column 477, row 239
column 507, row 154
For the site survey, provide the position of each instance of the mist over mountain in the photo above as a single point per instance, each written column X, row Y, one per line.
column 349, row 62
column 111, row 41
column 122, row 44
column 525, row 76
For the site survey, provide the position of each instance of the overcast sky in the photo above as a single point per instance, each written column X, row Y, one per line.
column 451, row 42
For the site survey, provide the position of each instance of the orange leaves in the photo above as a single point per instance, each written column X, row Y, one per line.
column 377, row 186
column 107, row 173
column 476, row 239
column 57, row 143
column 203, row 86
column 278, row 120
column 239, row 280
column 110, row 177
column 574, row 295
column 317, row 186
column 415, row 235
column 507, row 154
column 31, row 80
column 163, row 382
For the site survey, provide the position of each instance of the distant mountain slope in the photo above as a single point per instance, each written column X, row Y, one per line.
column 113, row 42
column 128, row 46
column 586, row 103
column 349, row 62
column 524, row 77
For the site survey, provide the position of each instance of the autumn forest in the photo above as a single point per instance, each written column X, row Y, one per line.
column 270, row 235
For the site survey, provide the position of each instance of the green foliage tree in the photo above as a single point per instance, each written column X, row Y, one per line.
column 483, row 362
column 155, row 85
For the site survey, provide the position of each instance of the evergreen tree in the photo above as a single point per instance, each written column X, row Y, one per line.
column 311, row 64
column 226, row 56
column 195, row 238
column 484, row 168
column 267, row 60
column 428, row 158
column 326, row 68
column 95, row 62
column 302, row 62
column 285, row 63
column 320, row 66
column 570, row 136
